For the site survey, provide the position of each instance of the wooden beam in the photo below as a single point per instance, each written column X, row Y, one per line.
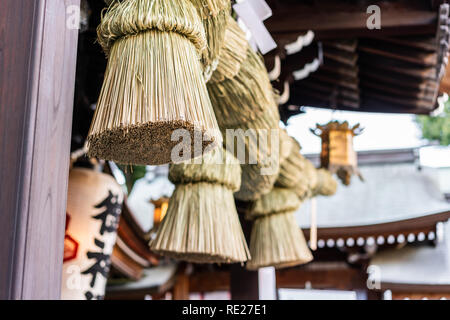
column 342, row 278
column 339, row 20
column 402, row 54
column 311, row 99
column 181, row 286
column 416, row 288
column 210, row 281
column 424, row 94
column 37, row 78
column 395, row 100
column 414, row 225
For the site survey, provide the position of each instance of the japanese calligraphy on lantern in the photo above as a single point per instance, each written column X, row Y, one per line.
column 94, row 204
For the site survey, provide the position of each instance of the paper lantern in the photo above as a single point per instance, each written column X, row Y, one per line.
column 70, row 244
column 94, row 205
column 338, row 154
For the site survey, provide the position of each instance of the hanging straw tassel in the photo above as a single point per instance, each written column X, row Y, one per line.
column 276, row 238
column 153, row 83
column 215, row 15
column 202, row 224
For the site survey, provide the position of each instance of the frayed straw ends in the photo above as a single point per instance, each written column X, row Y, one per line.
column 202, row 226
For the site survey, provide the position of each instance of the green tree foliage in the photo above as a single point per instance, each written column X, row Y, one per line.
column 436, row 128
column 132, row 174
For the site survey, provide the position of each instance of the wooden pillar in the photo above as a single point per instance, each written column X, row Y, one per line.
column 37, row 79
column 181, row 287
column 244, row 284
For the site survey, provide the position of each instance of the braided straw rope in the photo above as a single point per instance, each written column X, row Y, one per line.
column 130, row 17
column 245, row 97
column 215, row 15
column 310, row 177
column 326, row 184
column 232, row 54
column 254, row 183
column 292, row 172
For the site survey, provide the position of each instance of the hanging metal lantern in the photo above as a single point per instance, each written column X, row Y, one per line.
column 338, row 154
column 160, row 211
column 94, row 204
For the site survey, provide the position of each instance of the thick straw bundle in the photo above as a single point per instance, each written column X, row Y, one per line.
column 215, row 15
column 246, row 97
column 276, row 201
column 153, row 83
column 202, row 224
column 326, row 184
column 232, row 54
column 276, row 238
